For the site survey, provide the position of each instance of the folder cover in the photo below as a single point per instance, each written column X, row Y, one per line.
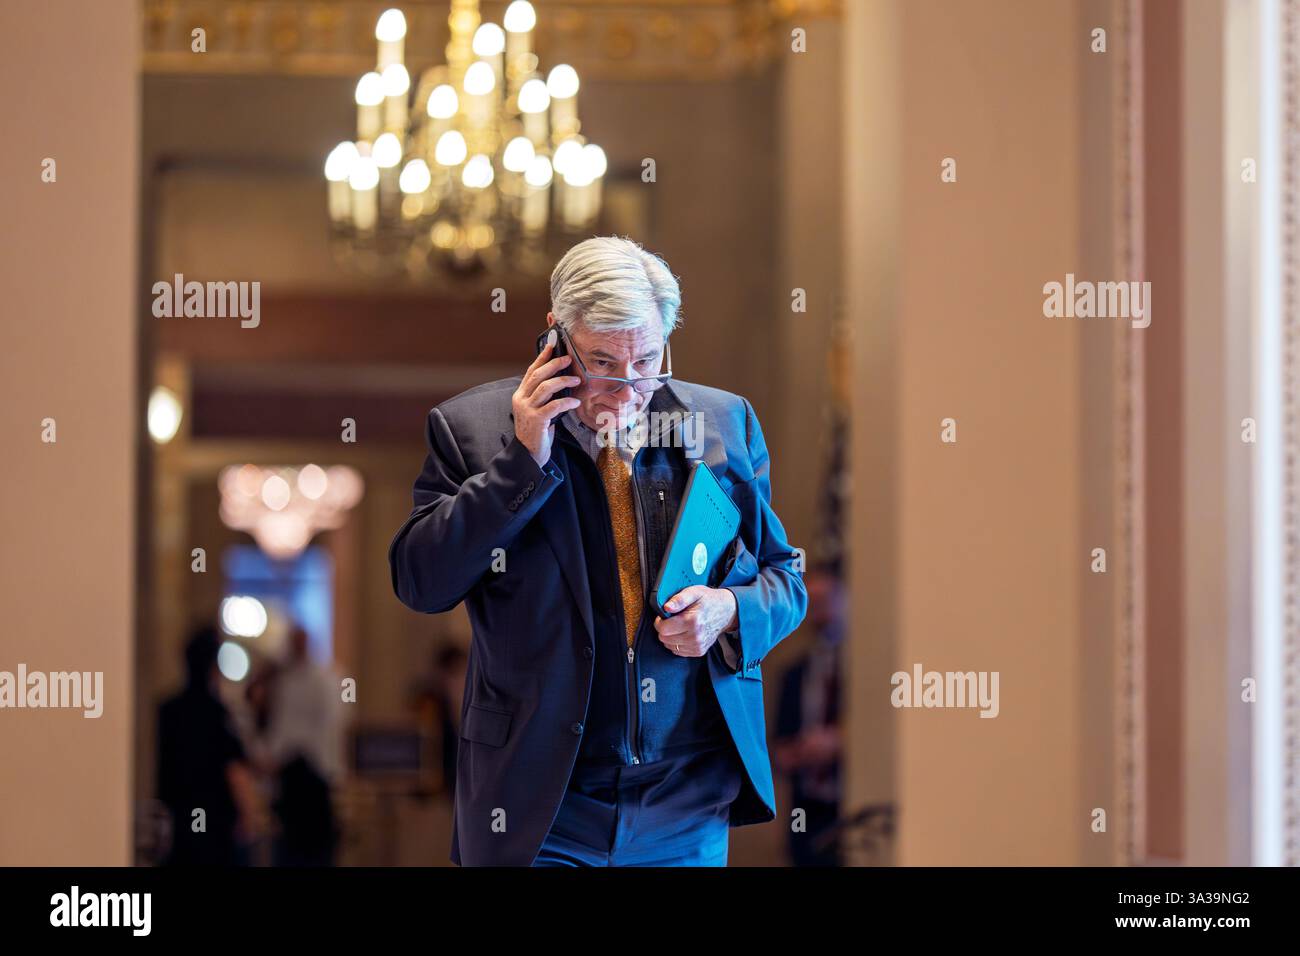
column 706, row 525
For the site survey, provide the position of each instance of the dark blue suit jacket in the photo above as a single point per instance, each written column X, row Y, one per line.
column 481, row 497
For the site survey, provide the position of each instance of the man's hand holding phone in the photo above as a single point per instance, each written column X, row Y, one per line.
column 535, row 407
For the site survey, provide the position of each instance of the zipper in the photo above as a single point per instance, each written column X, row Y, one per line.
column 642, row 534
column 633, row 684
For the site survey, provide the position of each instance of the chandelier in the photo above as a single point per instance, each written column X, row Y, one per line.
column 480, row 165
column 284, row 508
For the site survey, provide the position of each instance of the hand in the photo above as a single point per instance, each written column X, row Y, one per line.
column 700, row 614
column 533, row 407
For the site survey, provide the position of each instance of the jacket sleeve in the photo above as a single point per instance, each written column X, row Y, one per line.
column 771, row 599
column 460, row 519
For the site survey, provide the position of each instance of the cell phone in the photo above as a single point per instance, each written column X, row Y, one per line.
column 561, row 348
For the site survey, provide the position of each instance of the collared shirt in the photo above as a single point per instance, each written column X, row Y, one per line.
column 592, row 440
column 628, row 441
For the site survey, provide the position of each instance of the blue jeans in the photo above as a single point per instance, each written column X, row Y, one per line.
column 672, row 812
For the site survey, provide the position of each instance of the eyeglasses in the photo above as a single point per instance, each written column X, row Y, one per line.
column 612, row 383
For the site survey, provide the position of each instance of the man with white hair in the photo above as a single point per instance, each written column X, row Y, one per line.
column 594, row 731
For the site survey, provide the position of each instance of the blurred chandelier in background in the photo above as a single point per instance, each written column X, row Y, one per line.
column 484, row 169
column 283, row 508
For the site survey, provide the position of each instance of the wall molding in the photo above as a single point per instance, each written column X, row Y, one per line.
column 1291, row 406
column 1130, row 464
column 603, row 39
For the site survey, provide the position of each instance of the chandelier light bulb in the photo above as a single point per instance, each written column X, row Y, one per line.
column 520, row 17
column 391, row 26
column 339, row 163
column 577, row 173
column 594, row 159
column 479, row 79
column 370, row 90
column 539, row 172
column 396, row 80
column 388, row 151
column 489, row 40
column 562, row 82
column 365, row 174
column 534, row 97
column 276, row 493
column 415, row 177
column 451, row 149
column 443, row 102
column 247, row 479
column 518, row 154
column 477, row 173
column 566, row 155
column 312, row 481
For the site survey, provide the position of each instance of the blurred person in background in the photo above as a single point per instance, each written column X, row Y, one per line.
column 303, row 750
column 203, row 766
column 808, row 743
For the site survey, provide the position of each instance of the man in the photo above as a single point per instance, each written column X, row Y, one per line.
column 203, row 765
column 593, row 731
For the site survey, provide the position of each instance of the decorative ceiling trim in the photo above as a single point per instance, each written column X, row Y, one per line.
column 602, row 39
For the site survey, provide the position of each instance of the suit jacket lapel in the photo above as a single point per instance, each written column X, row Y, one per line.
column 697, row 437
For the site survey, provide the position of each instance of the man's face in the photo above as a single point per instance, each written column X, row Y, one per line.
column 626, row 353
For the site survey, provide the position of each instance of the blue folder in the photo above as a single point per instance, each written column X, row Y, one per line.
column 706, row 525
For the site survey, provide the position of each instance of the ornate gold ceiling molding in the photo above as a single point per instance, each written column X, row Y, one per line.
column 603, row 39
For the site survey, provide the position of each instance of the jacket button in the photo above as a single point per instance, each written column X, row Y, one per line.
column 576, row 728
column 586, row 652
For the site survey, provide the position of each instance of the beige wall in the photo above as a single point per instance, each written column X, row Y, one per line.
column 807, row 224
column 1219, row 261
column 968, row 555
column 871, row 225
column 68, row 353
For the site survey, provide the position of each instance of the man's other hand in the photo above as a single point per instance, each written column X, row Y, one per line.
column 699, row 615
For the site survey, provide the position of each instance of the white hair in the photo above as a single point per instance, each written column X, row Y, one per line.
column 609, row 282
